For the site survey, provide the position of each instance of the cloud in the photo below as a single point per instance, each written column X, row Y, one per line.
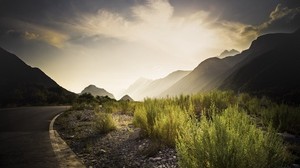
column 46, row 35
column 155, row 11
column 31, row 36
column 280, row 11
column 34, row 32
column 155, row 26
column 279, row 19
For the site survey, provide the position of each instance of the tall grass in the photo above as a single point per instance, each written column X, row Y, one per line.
column 282, row 117
column 228, row 140
column 104, row 123
column 160, row 120
column 219, row 129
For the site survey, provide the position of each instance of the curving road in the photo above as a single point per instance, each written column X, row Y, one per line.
column 24, row 137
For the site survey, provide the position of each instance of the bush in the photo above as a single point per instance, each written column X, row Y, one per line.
column 228, row 140
column 167, row 124
column 160, row 120
column 282, row 117
column 104, row 123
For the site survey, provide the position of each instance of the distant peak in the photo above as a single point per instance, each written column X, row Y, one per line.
column 91, row 86
column 126, row 98
column 95, row 91
column 227, row 53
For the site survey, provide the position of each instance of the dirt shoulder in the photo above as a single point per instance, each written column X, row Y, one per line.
column 123, row 147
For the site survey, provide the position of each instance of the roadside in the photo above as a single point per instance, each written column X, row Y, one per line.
column 123, row 147
column 64, row 155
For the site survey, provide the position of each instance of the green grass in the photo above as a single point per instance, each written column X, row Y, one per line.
column 229, row 140
column 160, row 120
column 214, row 129
column 104, row 123
column 219, row 129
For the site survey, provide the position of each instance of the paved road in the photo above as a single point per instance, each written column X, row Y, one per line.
column 24, row 137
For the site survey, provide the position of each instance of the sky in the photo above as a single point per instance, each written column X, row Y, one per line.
column 112, row 43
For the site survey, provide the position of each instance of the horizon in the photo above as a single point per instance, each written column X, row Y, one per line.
column 111, row 44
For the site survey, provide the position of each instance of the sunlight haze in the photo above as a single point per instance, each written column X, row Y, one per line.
column 111, row 46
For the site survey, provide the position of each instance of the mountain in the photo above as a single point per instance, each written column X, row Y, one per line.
column 207, row 71
column 126, row 98
column 155, row 87
column 135, row 89
column 227, row 53
column 272, row 69
column 23, row 85
column 95, row 91
column 269, row 67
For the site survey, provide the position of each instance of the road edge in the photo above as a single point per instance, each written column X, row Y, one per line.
column 64, row 154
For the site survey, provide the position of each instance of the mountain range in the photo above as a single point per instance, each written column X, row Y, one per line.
column 152, row 88
column 270, row 66
column 95, row 91
column 22, row 84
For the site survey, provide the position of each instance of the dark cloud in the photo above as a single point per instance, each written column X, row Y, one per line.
column 281, row 19
column 93, row 41
column 50, row 16
column 249, row 12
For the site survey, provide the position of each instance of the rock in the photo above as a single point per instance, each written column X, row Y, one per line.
column 102, row 151
column 155, row 159
column 135, row 134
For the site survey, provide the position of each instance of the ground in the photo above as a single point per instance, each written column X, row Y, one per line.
column 123, row 147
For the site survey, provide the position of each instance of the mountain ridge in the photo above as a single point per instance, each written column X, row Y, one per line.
column 22, row 84
column 153, row 88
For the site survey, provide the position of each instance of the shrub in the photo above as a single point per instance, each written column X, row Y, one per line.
column 160, row 120
column 282, row 117
column 228, row 140
column 167, row 124
column 104, row 123
column 140, row 119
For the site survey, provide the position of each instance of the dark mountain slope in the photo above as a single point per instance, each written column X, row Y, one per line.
column 21, row 84
column 274, row 73
column 206, row 72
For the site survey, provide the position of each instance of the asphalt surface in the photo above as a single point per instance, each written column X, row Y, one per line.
column 24, row 137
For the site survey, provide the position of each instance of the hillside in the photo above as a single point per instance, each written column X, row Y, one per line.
column 135, row 89
column 154, row 88
column 206, row 72
column 95, row 91
column 269, row 67
column 272, row 70
column 24, row 85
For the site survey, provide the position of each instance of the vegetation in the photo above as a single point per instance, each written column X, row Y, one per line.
column 160, row 120
column 35, row 95
column 104, row 123
column 215, row 129
column 219, row 129
column 229, row 140
column 103, row 108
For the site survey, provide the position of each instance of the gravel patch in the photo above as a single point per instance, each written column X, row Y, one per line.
column 123, row 147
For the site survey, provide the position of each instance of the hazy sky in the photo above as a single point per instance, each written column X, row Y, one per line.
column 111, row 43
